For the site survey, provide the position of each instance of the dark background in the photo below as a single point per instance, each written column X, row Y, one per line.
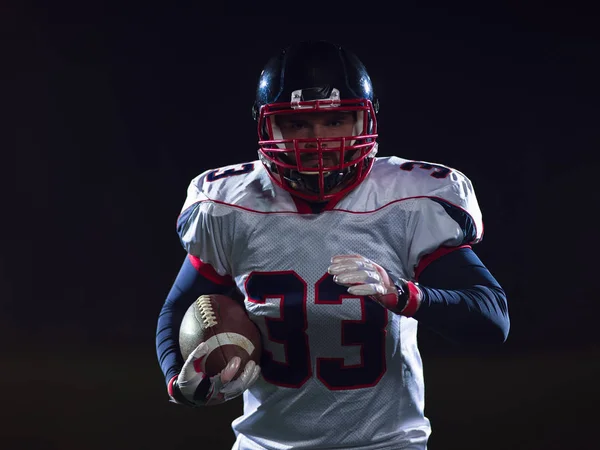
column 109, row 113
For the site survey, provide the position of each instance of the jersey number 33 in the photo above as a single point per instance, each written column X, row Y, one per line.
column 289, row 329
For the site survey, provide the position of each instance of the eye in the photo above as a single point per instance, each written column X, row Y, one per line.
column 293, row 124
column 340, row 120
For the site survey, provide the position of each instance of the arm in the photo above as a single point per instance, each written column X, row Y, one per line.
column 193, row 280
column 208, row 236
column 461, row 300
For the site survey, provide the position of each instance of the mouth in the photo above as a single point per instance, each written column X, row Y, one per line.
column 309, row 162
column 312, row 161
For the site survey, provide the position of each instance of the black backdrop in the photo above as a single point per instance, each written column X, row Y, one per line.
column 110, row 113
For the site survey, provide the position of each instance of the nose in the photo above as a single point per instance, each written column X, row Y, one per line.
column 314, row 132
column 313, row 144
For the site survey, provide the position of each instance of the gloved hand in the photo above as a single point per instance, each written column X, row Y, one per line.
column 194, row 388
column 364, row 277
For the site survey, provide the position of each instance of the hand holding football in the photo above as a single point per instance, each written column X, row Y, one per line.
column 224, row 325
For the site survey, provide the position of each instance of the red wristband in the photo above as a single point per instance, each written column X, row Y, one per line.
column 413, row 302
column 170, row 386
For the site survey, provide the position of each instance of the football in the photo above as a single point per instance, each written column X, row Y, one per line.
column 224, row 325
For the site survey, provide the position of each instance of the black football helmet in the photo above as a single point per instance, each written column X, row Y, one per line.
column 316, row 77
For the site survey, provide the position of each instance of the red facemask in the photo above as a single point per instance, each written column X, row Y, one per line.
column 337, row 164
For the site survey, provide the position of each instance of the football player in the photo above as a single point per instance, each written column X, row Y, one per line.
column 339, row 255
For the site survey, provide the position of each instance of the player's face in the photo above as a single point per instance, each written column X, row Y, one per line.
column 329, row 124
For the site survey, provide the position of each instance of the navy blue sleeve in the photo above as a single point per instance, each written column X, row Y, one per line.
column 462, row 301
column 188, row 286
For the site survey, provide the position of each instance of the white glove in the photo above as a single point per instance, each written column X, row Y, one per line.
column 193, row 387
column 364, row 277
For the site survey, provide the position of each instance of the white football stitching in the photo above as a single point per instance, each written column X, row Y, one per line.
column 206, row 312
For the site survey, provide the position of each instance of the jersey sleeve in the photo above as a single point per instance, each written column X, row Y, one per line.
column 202, row 229
column 444, row 217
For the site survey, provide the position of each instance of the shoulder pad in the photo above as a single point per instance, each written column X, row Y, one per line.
column 229, row 184
column 404, row 179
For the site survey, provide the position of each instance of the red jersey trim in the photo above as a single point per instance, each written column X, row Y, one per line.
column 208, row 272
column 428, row 259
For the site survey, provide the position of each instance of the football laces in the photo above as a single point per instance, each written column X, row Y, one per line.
column 206, row 311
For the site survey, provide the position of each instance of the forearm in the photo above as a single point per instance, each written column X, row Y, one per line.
column 167, row 345
column 462, row 301
column 473, row 315
column 188, row 286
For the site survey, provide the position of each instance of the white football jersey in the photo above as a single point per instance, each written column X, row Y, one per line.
column 338, row 371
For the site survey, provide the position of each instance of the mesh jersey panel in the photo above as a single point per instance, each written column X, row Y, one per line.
column 323, row 409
